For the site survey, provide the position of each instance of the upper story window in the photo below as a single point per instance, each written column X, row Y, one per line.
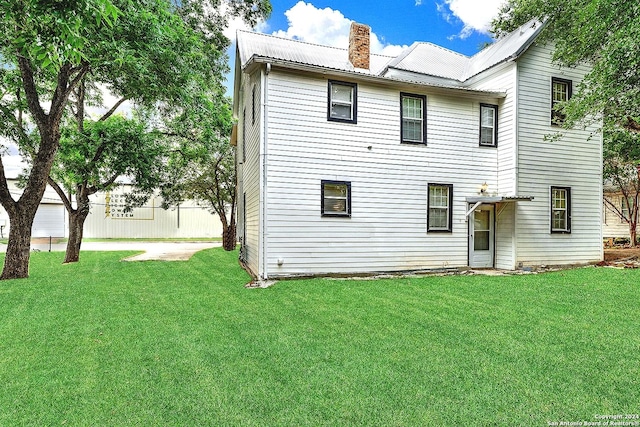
column 244, row 135
column 560, row 92
column 253, row 105
column 439, row 207
column 336, row 198
column 488, row 125
column 343, row 102
column 561, row 209
column 413, row 118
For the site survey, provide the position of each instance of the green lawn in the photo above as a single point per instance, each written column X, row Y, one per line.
column 116, row 343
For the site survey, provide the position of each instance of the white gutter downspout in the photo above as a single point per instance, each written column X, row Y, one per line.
column 263, row 145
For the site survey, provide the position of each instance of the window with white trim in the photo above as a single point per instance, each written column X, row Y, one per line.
column 561, row 209
column 413, row 118
column 560, row 92
column 336, row 198
column 439, row 207
column 488, row 125
column 343, row 102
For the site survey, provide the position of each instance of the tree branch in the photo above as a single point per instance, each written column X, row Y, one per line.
column 95, row 188
column 632, row 125
column 65, row 200
column 31, row 91
column 5, row 195
column 112, row 110
column 64, row 88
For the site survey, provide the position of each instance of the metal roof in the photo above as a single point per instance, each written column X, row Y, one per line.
column 421, row 63
column 433, row 60
column 251, row 45
column 507, row 48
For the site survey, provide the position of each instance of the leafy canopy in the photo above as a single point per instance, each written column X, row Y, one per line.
column 104, row 150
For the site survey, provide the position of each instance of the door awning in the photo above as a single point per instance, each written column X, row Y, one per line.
column 481, row 200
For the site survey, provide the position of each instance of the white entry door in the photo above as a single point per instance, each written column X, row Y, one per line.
column 481, row 237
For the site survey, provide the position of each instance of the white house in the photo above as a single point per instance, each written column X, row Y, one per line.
column 351, row 162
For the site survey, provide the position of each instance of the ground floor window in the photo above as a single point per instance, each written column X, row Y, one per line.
column 439, row 207
column 560, row 209
column 336, row 198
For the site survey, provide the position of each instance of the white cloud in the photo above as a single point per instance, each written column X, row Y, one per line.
column 327, row 27
column 475, row 15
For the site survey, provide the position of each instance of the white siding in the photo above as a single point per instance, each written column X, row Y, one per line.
column 505, row 236
column 250, row 171
column 574, row 161
column 503, row 78
column 387, row 230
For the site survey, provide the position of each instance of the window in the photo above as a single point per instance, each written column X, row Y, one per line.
column 244, row 135
column 253, row 105
column 343, row 105
column 560, row 92
column 560, row 209
column 488, row 125
column 336, row 198
column 439, row 207
column 413, row 113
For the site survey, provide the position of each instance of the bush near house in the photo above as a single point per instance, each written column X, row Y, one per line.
column 105, row 342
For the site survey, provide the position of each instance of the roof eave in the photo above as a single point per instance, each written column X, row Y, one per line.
column 257, row 60
column 236, row 83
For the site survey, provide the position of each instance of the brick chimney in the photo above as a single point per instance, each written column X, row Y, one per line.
column 359, row 45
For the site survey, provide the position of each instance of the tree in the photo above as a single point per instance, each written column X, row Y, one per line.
column 202, row 167
column 621, row 171
column 603, row 34
column 44, row 54
column 92, row 157
column 158, row 54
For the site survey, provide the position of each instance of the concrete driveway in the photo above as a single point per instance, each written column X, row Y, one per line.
column 164, row 251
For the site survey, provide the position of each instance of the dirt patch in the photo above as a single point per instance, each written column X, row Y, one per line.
column 617, row 254
column 621, row 257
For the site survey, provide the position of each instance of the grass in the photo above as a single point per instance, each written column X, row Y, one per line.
column 106, row 342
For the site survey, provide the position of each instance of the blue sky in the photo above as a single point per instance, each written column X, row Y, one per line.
column 459, row 25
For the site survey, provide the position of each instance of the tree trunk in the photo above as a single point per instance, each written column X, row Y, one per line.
column 76, row 228
column 22, row 212
column 632, row 234
column 228, row 236
column 16, row 262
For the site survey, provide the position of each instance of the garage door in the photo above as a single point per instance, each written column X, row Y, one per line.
column 49, row 221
